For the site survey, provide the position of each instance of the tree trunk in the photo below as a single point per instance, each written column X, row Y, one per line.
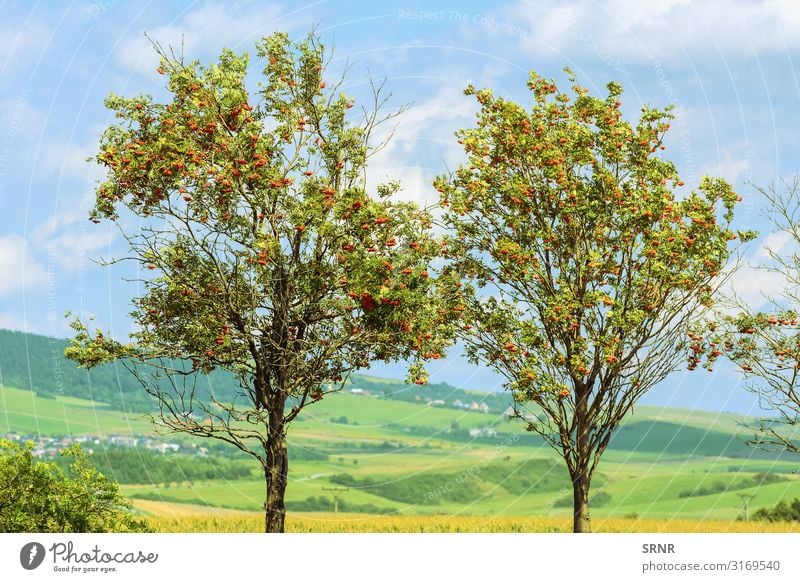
column 581, row 522
column 580, row 473
column 276, row 470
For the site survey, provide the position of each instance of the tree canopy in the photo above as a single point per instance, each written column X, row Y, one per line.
column 589, row 258
column 263, row 253
column 764, row 341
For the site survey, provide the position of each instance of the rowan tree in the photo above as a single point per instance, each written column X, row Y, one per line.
column 765, row 343
column 588, row 263
column 263, row 254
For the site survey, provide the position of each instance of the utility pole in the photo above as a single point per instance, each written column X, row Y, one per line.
column 746, row 499
column 336, row 492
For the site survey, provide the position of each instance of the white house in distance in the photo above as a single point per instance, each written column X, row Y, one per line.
column 485, row 432
column 123, row 441
column 360, row 392
column 165, row 447
column 479, row 407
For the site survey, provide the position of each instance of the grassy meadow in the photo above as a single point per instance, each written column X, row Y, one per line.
column 404, row 466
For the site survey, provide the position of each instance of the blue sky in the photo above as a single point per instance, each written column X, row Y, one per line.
column 726, row 66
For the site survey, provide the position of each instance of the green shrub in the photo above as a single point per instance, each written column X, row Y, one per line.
column 418, row 489
column 142, row 466
column 721, row 487
column 529, row 476
column 38, row 496
column 783, row 511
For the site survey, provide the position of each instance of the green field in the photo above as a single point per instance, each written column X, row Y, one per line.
column 25, row 412
column 407, row 459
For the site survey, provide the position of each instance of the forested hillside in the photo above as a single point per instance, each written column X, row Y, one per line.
column 35, row 362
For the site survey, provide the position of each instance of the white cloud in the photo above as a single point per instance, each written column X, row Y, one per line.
column 9, row 320
column 775, row 243
column 205, row 31
column 21, row 44
column 18, row 118
column 645, row 31
column 19, row 269
column 729, row 165
column 69, row 239
column 32, row 321
column 68, row 160
column 427, row 127
column 755, row 287
column 754, row 284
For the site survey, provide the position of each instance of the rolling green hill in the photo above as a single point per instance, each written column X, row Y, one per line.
column 399, row 449
column 35, row 362
column 408, row 458
column 30, row 413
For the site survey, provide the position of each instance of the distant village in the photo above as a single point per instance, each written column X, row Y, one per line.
column 474, row 406
column 49, row 447
column 475, row 432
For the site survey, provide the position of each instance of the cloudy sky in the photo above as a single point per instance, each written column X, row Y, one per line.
column 726, row 66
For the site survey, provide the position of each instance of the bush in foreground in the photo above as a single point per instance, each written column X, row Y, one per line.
column 39, row 496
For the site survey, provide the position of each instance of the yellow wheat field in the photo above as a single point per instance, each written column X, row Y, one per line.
column 186, row 519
